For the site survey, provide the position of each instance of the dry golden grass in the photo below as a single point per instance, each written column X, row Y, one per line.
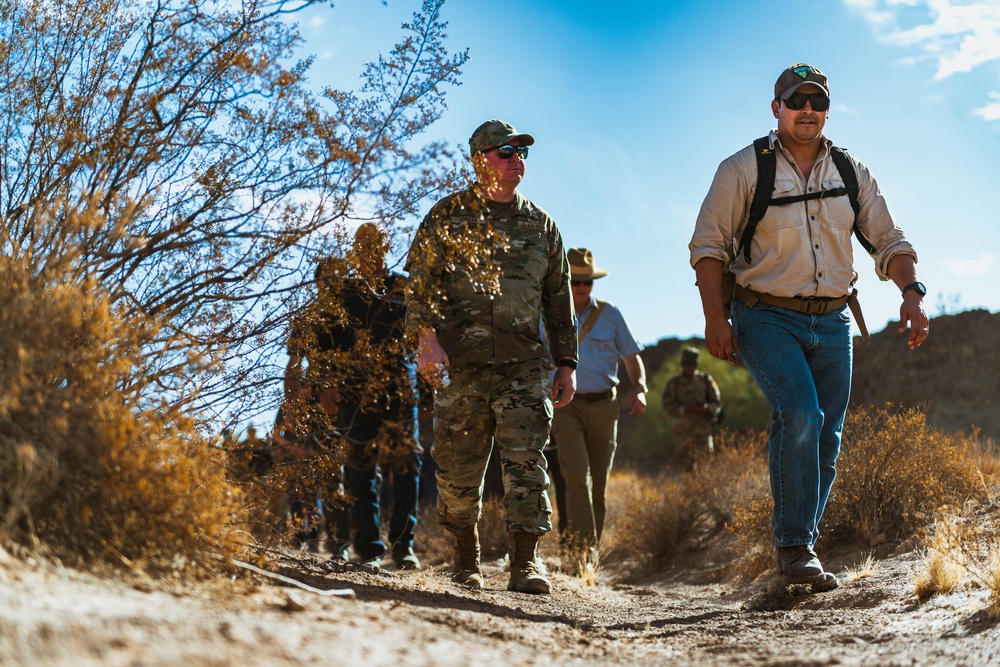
column 894, row 472
column 941, row 575
column 964, row 545
column 654, row 522
column 864, row 569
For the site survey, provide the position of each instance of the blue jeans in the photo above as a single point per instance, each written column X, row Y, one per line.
column 802, row 364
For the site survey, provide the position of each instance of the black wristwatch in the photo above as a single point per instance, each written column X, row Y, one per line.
column 917, row 287
column 569, row 363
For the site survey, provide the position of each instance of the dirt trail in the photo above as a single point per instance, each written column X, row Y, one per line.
column 50, row 615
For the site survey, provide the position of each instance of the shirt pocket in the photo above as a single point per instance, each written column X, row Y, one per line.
column 782, row 216
column 836, row 211
column 602, row 343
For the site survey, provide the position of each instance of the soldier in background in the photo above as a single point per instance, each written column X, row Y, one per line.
column 487, row 268
column 692, row 398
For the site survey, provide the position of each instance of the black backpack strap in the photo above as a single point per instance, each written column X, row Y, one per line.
column 850, row 177
column 767, row 164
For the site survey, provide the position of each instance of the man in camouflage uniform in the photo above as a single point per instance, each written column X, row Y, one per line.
column 487, row 268
column 692, row 398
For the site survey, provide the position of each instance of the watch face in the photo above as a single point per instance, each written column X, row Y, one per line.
column 917, row 287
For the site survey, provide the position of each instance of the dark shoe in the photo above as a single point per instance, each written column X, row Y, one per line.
column 828, row 583
column 405, row 559
column 467, row 571
column 525, row 574
column 373, row 562
column 340, row 551
column 800, row 565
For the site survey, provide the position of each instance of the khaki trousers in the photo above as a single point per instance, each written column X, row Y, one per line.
column 586, row 436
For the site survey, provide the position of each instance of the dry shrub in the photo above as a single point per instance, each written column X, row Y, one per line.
column 941, row 575
column 894, row 472
column 656, row 521
column 963, row 542
column 85, row 472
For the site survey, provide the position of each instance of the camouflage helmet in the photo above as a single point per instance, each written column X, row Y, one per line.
column 689, row 357
column 496, row 133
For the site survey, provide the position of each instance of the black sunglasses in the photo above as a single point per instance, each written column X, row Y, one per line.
column 818, row 101
column 577, row 283
column 507, row 151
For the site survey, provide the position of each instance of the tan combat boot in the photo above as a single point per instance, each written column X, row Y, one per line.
column 467, row 572
column 525, row 575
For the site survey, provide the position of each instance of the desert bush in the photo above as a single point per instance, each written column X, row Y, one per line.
column 168, row 178
column 83, row 470
column 894, row 471
column 657, row 521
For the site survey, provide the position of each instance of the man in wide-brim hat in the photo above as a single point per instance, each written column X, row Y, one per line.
column 585, row 431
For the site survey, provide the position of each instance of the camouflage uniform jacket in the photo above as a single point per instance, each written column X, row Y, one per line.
column 448, row 283
column 696, row 390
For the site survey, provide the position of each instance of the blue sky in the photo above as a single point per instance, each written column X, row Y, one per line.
column 633, row 104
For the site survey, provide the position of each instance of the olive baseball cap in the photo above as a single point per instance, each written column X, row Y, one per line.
column 798, row 75
column 495, row 133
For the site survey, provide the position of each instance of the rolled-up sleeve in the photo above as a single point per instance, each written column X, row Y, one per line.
column 877, row 224
column 723, row 210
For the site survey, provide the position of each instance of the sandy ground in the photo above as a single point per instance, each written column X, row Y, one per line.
column 51, row 615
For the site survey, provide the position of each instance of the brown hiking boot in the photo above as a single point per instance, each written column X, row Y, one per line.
column 801, row 565
column 467, row 572
column 525, row 575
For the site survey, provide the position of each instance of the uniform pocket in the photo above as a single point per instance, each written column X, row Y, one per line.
column 442, row 450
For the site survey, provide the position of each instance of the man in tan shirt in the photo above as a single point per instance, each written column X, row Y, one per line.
column 788, row 320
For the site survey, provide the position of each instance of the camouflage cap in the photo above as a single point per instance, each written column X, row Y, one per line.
column 689, row 357
column 495, row 133
column 798, row 75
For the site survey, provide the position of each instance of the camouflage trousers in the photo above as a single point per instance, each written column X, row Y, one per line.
column 692, row 440
column 506, row 402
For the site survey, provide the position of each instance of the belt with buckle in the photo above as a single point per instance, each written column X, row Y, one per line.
column 608, row 395
column 809, row 306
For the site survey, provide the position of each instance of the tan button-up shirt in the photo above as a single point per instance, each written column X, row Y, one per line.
column 802, row 249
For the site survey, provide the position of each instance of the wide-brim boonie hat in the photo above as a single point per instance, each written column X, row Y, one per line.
column 581, row 265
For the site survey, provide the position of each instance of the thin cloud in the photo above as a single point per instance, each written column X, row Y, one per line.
column 992, row 110
column 844, row 109
column 975, row 267
column 958, row 36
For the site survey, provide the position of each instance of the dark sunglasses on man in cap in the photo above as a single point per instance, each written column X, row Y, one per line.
column 818, row 101
column 577, row 283
column 507, row 151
